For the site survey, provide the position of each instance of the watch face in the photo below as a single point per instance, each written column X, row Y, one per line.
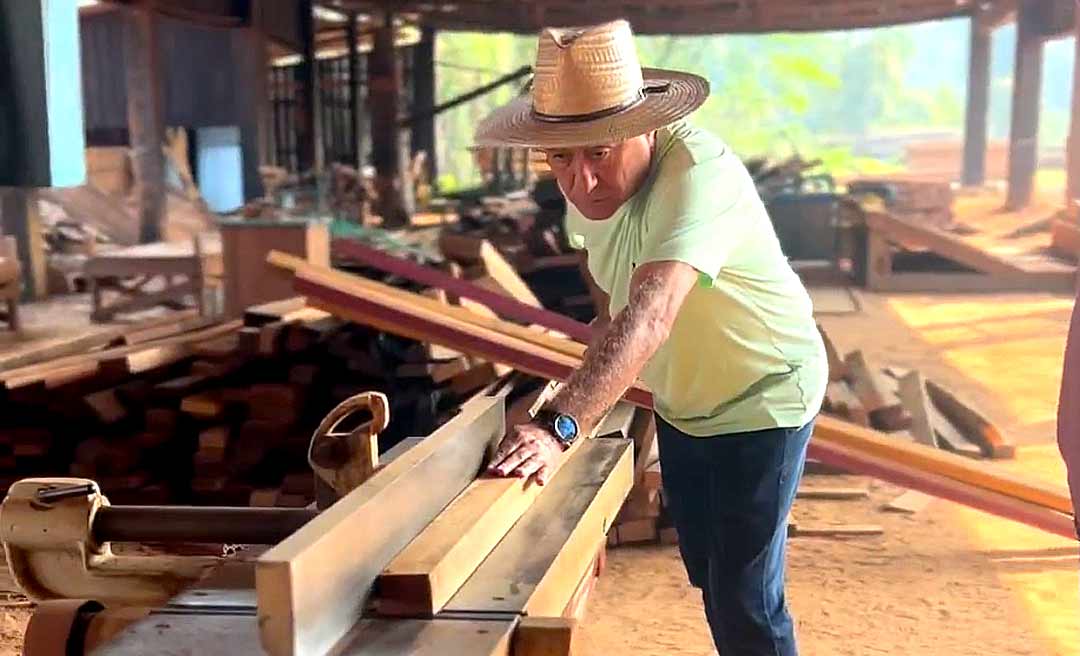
column 565, row 427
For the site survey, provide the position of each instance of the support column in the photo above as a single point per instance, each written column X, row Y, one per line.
column 1072, row 147
column 395, row 203
column 146, row 119
column 19, row 218
column 423, row 131
column 253, row 104
column 356, row 111
column 309, row 153
column 1027, row 92
column 978, row 102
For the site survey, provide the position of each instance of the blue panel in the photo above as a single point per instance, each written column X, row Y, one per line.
column 220, row 168
column 63, row 92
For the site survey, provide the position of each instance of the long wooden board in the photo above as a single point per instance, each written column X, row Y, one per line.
column 313, row 586
column 942, row 243
column 506, row 307
column 427, row 573
column 538, row 565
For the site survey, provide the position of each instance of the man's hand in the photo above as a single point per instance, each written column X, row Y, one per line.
column 527, row 451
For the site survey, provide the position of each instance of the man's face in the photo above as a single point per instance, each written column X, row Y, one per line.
column 599, row 179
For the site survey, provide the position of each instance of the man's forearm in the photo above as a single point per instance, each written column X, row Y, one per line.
column 616, row 357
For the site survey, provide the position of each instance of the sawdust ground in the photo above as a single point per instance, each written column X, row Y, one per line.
column 945, row 581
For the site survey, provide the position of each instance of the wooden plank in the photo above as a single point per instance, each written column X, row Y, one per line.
column 505, row 277
column 884, row 410
column 832, row 493
column 944, row 244
column 837, row 531
column 973, row 425
column 507, row 308
column 427, row 573
column 837, row 368
column 841, row 400
column 416, row 637
column 313, row 585
column 536, row 567
column 984, row 475
column 1065, row 238
column 912, row 393
column 1063, row 282
column 949, row 436
column 546, row 636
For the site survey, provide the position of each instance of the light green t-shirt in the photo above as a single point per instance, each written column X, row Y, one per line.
column 744, row 353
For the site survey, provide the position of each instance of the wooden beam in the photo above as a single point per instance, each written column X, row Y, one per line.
column 427, row 573
column 423, row 70
column 356, row 111
column 912, row 393
column 545, row 636
column 975, row 427
column 384, row 100
column 20, row 219
column 978, row 104
column 508, row 308
column 309, row 151
column 146, row 117
column 313, row 586
column 416, row 637
column 1027, row 92
column 536, row 568
column 978, row 474
column 942, row 243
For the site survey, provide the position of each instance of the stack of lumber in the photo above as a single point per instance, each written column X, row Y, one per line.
column 837, row 443
column 904, row 404
column 222, row 414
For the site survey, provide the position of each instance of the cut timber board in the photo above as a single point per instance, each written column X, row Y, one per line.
column 912, row 393
column 313, row 586
column 427, row 573
column 979, row 474
column 971, row 424
column 944, row 244
column 538, row 565
column 379, row 637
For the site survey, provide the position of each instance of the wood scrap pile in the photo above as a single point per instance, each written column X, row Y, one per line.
column 923, row 202
column 222, row 414
column 905, row 404
column 526, row 232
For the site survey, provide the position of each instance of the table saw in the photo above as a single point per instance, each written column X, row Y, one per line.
column 410, row 552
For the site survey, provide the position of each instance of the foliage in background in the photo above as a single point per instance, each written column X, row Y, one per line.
column 820, row 95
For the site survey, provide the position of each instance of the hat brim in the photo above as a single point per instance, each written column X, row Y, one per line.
column 515, row 124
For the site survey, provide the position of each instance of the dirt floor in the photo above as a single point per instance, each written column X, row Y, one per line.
column 946, row 581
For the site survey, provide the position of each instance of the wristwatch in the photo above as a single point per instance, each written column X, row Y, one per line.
column 563, row 426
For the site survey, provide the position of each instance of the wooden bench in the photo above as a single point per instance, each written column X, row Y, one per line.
column 10, row 282
column 128, row 273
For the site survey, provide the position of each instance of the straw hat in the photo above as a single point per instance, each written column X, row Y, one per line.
column 588, row 88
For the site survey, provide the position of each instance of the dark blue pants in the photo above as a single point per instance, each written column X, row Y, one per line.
column 729, row 498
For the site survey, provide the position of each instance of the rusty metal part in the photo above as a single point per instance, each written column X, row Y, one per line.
column 344, row 460
column 198, row 524
column 52, row 553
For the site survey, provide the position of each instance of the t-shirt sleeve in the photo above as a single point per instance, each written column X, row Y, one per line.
column 699, row 216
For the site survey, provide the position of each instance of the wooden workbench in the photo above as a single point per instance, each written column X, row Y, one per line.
column 129, row 273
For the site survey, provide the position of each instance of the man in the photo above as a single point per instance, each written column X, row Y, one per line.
column 702, row 304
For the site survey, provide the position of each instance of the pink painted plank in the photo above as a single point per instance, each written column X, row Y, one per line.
column 504, row 306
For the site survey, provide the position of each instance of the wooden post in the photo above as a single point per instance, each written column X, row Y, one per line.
column 308, row 142
column 356, row 111
column 978, row 97
column 1072, row 184
column 423, row 131
column 384, row 96
column 253, row 102
column 20, row 219
column 146, row 119
column 1027, row 92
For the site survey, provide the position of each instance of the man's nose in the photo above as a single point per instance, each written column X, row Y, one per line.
column 584, row 178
